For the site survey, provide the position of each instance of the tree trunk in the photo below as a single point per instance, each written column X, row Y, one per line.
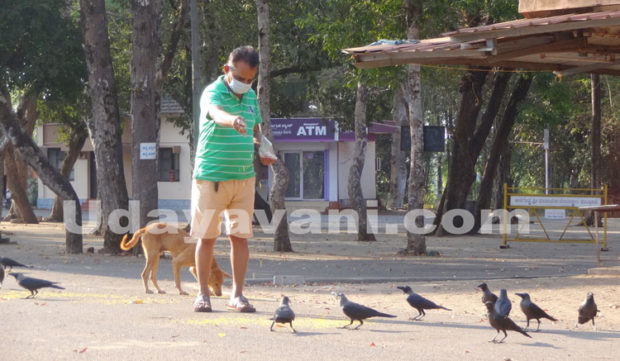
column 104, row 125
column 461, row 171
column 30, row 152
column 76, row 142
column 173, row 44
column 196, row 79
column 354, row 185
column 19, row 194
column 469, row 139
column 503, row 177
column 596, row 130
column 281, row 240
column 3, row 143
column 500, row 144
column 416, row 243
column 145, row 98
column 595, row 172
column 18, row 176
column 398, row 168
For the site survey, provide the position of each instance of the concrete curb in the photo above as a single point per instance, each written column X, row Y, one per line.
column 280, row 280
column 613, row 271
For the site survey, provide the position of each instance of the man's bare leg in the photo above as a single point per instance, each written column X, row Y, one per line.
column 204, row 255
column 239, row 257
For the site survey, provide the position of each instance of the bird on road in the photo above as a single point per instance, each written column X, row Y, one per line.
column 357, row 312
column 33, row 284
column 503, row 304
column 587, row 311
column 1, row 275
column 487, row 295
column 9, row 263
column 284, row 314
column 502, row 323
column 532, row 311
column 420, row 303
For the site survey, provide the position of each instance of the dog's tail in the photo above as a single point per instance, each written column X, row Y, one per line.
column 126, row 246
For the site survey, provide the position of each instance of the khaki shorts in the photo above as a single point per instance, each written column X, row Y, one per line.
column 233, row 199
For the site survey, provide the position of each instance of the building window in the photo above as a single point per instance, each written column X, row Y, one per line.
column 55, row 156
column 306, row 174
column 168, row 165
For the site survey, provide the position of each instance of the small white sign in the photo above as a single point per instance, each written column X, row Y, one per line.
column 555, row 213
column 148, row 151
column 541, row 201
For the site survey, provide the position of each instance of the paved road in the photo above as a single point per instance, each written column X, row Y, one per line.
column 103, row 314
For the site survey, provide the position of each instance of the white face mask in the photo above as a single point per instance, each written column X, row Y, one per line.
column 238, row 87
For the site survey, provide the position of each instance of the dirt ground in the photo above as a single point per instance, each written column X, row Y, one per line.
column 104, row 314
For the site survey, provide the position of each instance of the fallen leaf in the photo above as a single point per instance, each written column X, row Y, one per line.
column 372, row 344
column 221, row 334
column 83, row 350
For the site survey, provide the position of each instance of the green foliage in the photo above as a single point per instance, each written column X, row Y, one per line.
column 38, row 47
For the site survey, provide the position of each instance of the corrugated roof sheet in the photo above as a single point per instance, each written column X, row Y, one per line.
column 535, row 22
column 170, row 106
column 568, row 43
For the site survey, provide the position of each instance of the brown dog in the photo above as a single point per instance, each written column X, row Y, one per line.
column 158, row 237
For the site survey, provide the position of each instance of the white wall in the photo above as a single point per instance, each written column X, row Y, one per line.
column 369, row 184
column 340, row 155
column 169, row 137
column 79, row 183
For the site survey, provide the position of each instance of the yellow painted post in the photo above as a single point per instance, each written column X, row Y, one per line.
column 505, row 215
column 605, row 218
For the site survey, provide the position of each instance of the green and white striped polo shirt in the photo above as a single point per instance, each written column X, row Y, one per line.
column 222, row 153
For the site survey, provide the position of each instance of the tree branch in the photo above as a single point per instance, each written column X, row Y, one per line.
column 174, row 42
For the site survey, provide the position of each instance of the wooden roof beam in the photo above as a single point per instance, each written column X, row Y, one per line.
column 535, row 29
column 587, row 68
column 550, row 47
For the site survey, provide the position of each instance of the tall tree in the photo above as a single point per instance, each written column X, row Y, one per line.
column 596, row 130
column 77, row 138
column 104, row 125
column 29, row 29
column 17, row 169
column 416, row 242
column 500, row 145
column 281, row 240
column 354, row 181
column 145, row 100
column 30, row 152
column 398, row 168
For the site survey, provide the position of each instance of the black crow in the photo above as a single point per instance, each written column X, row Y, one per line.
column 502, row 323
column 284, row 314
column 33, row 284
column 532, row 311
column 420, row 303
column 357, row 312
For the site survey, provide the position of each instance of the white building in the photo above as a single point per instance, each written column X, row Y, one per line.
column 317, row 155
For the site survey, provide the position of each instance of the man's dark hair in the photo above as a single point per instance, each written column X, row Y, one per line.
column 246, row 54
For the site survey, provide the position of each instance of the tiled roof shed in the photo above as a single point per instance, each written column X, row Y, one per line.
column 569, row 44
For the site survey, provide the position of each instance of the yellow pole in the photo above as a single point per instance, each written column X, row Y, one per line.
column 505, row 215
column 605, row 218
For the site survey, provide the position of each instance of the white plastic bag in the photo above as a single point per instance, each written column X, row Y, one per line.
column 266, row 149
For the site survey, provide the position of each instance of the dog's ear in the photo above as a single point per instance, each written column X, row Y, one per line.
column 226, row 275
